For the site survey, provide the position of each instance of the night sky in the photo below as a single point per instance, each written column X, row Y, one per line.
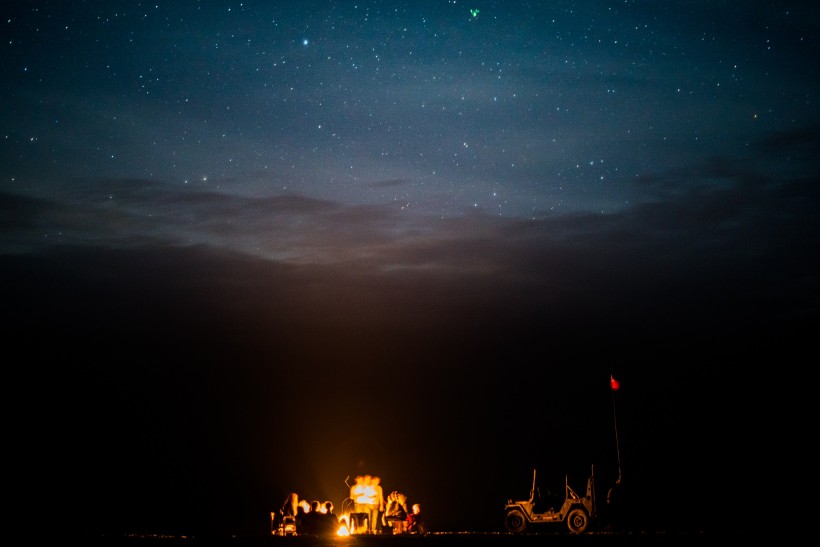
column 250, row 248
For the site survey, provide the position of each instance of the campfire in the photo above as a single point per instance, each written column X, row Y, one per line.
column 362, row 503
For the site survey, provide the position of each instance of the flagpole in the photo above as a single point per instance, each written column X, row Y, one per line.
column 614, row 497
column 613, row 383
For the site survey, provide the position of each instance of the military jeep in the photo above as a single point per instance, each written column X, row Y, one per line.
column 574, row 511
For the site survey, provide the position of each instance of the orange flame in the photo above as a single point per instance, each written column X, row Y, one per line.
column 364, row 491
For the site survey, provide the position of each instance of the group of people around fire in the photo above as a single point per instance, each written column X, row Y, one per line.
column 307, row 517
column 399, row 519
column 378, row 514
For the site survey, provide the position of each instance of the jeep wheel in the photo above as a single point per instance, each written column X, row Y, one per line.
column 577, row 521
column 515, row 522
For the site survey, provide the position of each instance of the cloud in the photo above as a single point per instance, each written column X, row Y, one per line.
column 725, row 230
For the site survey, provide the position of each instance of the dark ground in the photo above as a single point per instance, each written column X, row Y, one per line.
column 593, row 539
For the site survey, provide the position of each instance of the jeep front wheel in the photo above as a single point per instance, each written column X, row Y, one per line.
column 577, row 521
column 515, row 522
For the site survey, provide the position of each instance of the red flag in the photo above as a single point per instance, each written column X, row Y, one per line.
column 613, row 383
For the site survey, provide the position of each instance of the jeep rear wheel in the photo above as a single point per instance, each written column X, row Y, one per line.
column 577, row 521
column 515, row 522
